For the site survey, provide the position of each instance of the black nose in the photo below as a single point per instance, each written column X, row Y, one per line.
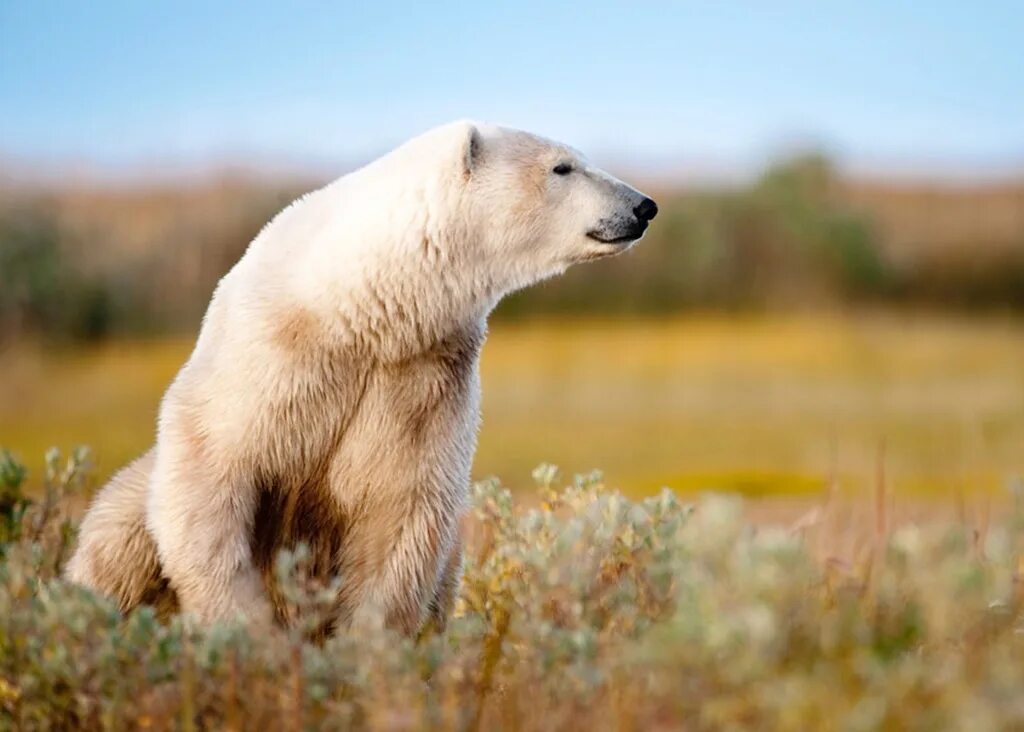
column 647, row 210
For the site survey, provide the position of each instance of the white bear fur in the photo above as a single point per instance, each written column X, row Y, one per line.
column 332, row 396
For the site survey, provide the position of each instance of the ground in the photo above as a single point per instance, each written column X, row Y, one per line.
column 759, row 405
column 886, row 592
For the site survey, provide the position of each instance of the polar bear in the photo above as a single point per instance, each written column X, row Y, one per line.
column 332, row 396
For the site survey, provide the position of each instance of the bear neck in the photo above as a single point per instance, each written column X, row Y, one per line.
column 414, row 305
column 389, row 291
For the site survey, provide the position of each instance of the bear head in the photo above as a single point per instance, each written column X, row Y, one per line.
column 539, row 206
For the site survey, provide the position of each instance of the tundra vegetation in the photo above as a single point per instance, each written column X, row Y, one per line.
column 582, row 610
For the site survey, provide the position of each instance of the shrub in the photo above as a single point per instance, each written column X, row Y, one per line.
column 584, row 611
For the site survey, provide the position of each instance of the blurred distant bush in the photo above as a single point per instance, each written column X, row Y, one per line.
column 969, row 278
column 40, row 289
column 85, row 263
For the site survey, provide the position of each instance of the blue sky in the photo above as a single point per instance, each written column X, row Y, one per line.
column 122, row 83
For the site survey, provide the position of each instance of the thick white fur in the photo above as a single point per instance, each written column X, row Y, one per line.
column 332, row 396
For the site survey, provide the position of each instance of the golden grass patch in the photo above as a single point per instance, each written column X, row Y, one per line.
column 756, row 405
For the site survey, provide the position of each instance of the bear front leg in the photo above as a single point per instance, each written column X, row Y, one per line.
column 202, row 523
column 394, row 567
column 447, row 587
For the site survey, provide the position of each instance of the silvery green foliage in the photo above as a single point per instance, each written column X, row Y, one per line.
column 583, row 609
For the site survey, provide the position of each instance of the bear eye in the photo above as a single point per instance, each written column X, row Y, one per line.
column 562, row 169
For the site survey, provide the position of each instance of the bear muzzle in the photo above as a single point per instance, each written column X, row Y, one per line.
column 621, row 229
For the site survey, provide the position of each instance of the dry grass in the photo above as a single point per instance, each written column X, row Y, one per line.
column 758, row 405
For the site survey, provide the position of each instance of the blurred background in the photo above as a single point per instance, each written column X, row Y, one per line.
column 832, row 295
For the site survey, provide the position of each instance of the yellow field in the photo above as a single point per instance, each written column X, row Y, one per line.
column 764, row 405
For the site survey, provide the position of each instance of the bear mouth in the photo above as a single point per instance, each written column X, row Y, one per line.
column 624, row 239
column 631, row 235
column 611, row 244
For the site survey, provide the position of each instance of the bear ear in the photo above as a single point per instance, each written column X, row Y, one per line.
column 472, row 149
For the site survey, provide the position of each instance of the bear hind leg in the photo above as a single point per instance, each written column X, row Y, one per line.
column 115, row 555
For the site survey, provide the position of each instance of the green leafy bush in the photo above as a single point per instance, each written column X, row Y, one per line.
column 584, row 611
